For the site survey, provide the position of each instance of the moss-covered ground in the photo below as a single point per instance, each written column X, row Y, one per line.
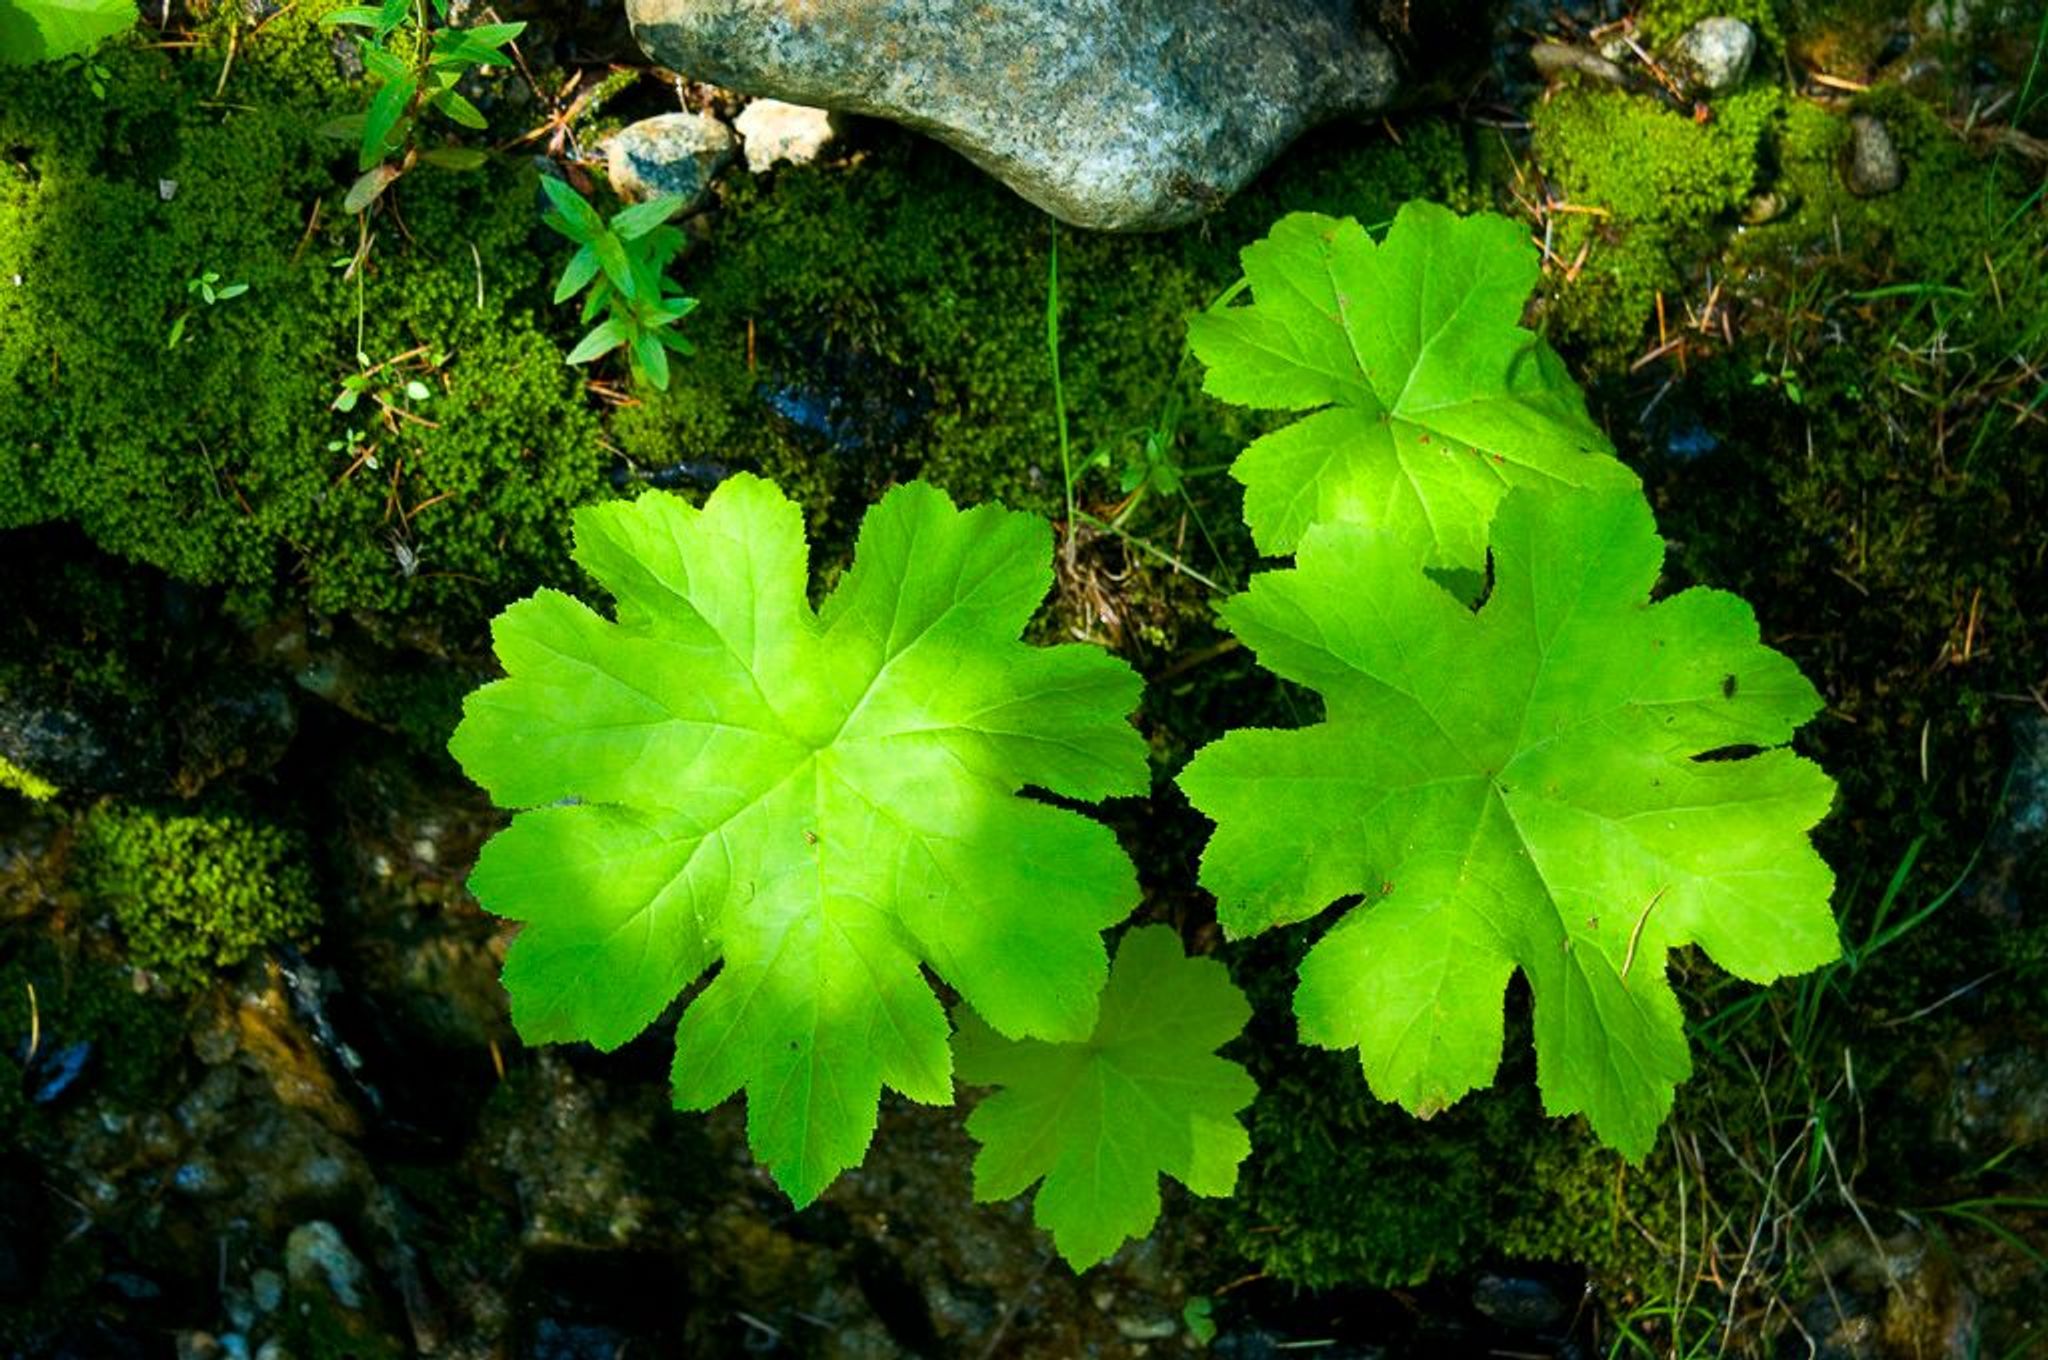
column 1836, row 401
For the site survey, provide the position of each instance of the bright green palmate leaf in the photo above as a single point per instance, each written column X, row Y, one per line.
column 819, row 802
column 1428, row 399
column 1100, row 1121
column 1554, row 782
column 43, row 30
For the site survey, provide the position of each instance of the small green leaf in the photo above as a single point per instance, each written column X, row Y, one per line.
column 390, row 15
column 1520, row 787
column 1199, row 1318
column 1427, row 398
column 385, row 66
column 607, row 336
column 474, row 46
column 456, row 51
column 354, row 15
column 368, row 186
column 579, row 221
column 460, row 110
column 494, row 35
column 616, row 263
column 233, row 290
column 417, row 390
column 576, row 276
column 381, row 119
column 636, row 221
column 651, row 360
column 1101, row 1120
column 346, row 128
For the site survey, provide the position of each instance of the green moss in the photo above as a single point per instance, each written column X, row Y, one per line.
column 194, row 894
column 1656, row 187
column 894, row 309
column 1661, row 21
column 1345, row 1190
column 134, row 1039
column 211, row 460
column 25, row 782
column 1880, row 486
column 1578, row 1203
column 1969, row 223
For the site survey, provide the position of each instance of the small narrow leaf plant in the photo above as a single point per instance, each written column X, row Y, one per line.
column 415, row 66
column 1526, row 761
column 623, row 263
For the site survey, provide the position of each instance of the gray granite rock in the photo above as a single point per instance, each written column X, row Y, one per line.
column 675, row 153
column 1118, row 114
column 1716, row 52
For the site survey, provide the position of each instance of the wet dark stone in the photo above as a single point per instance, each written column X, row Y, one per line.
column 66, row 747
column 24, row 1232
column 554, row 1340
column 1689, row 441
column 1517, row 1303
column 2012, row 870
column 587, row 1305
column 55, row 1070
column 689, row 472
column 237, row 724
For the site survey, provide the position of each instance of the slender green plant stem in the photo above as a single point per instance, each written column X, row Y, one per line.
column 1059, row 395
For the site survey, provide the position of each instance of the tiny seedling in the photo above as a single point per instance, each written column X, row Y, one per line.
column 93, row 72
column 356, row 386
column 210, row 291
column 394, row 386
column 622, row 263
column 390, row 393
column 416, row 68
column 353, row 443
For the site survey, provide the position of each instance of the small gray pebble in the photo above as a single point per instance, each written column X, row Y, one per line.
column 1874, row 166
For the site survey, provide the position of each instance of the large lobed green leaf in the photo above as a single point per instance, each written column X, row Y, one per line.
column 1519, row 787
column 43, row 30
column 821, row 803
column 1100, row 1121
column 1427, row 398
